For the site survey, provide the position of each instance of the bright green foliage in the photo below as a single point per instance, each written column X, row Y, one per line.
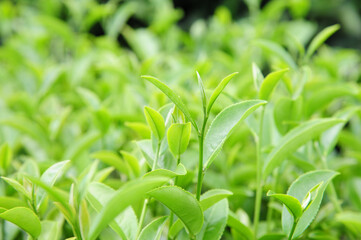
column 153, row 231
column 219, row 90
column 24, row 218
column 269, row 84
column 178, row 136
column 296, row 138
column 156, row 122
column 222, row 126
column 183, row 204
column 321, row 38
column 291, row 203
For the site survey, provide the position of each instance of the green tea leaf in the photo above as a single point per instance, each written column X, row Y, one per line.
column 211, row 197
column 155, row 122
column 81, row 145
column 291, row 203
column 215, row 221
column 277, row 50
column 295, row 139
column 5, row 156
column 49, row 230
column 300, row 189
column 131, row 192
column 273, row 236
column 351, row 220
column 183, row 204
column 17, row 186
column 178, row 136
column 49, row 177
column 132, row 162
column 269, row 83
column 222, row 126
column 219, row 90
column 203, row 94
column 114, row 160
column 321, row 38
column 140, row 128
column 179, row 171
column 24, row 218
column 11, row 202
column 257, row 76
column 153, row 231
column 242, row 229
column 173, row 97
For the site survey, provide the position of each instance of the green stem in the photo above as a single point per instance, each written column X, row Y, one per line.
column 200, row 163
column 175, row 183
column 259, row 164
column 292, row 230
column 145, row 204
column 270, row 209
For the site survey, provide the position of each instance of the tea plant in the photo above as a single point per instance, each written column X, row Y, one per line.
column 92, row 146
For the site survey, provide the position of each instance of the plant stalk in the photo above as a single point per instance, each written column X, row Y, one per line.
column 292, row 230
column 200, row 163
column 145, row 204
column 259, row 164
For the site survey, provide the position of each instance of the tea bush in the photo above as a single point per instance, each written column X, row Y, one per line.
column 119, row 122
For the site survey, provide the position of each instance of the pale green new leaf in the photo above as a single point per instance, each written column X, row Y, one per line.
column 49, row 177
column 294, row 139
column 114, row 160
column 257, row 76
column 291, row 203
column 5, row 156
column 81, row 145
column 219, row 90
column 277, row 50
column 49, row 230
column 173, row 97
column 179, row 171
column 222, row 126
column 11, row 202
column 24, row 218
column 17, row 186
column 183, row 204
column 300, row 189
column 321, row 38
column 129, row 193
column 153, row 231
column 178, row 136
column 203, row 94
column 155, row 122
column 269, row 83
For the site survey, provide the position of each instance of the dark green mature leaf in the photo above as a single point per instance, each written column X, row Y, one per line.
column 131, row 192
column 269, row 83
column 321, row 38
column 178, row 136
column 173, row 97
column 223, row 125
column 296, row 138
column 183, row 204
column 155, row 122
column 219, row 90
column 291, row 203
column 277, row 50
column 242, row 229
column 24, row 218
column 153, row 231
column 299, row 189
column 215, row 221
column 203, row 94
